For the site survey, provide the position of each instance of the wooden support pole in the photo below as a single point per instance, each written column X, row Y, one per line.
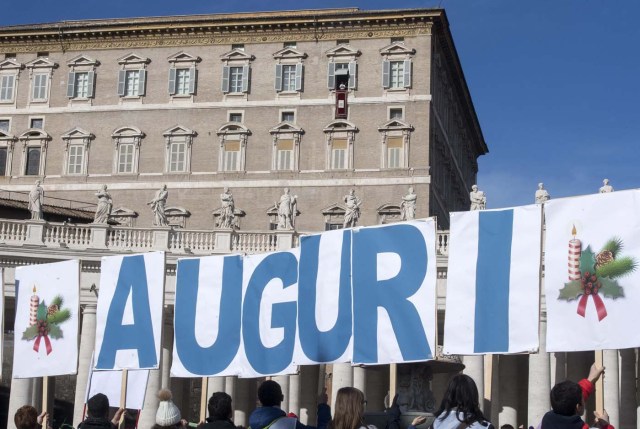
column 45, row 400
column 123, row 396
column 203, row 399
column 600, row 383
column 393, row 376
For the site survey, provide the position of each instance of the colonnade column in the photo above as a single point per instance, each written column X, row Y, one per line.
column 360, row 379
column 283, row 381
column 539, row 379
column 154, row 384
column 342, row 376
column 215, row 384
column 611, row 386
column 167, row 350
column 474, row 368
column 20, row 394
column 87, row 343
column 508, row 369
column 294, row 393
column 627, row 388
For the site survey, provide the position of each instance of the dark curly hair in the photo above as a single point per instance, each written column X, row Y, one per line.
column 219, row 406
column 26, row 417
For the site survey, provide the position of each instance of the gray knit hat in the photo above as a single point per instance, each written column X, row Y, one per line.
column 168, row 414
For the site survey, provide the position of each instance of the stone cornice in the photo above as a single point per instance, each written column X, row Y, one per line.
column 199, row 30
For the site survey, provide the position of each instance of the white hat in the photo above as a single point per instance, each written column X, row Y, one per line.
column 168, row 414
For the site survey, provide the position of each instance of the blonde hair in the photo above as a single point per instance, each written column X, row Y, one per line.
column 349, row 409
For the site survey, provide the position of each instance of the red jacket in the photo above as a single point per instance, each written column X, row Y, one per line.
column 587, row 390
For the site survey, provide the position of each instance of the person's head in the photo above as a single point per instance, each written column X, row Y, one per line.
column 349, row 409
column 507, row 426
column 26, row 417
column 566, row 398
column 168, row 414
column 219, row 406
column 270, row 394
column 98, row 406
column 461, row 395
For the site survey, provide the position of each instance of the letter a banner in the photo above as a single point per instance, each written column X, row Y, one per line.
column 129, row 313
column 46, row 326
column 592, row 253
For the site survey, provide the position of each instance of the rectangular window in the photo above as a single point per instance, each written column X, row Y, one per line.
column 293, row 45
column 6, row 87
column 76, row 159
column 40, row 82
column 33, row 162
column 37, row 123
column 288, row 117
column 395, row 113
column 182, row 81
column 82, row 85
column 394, row 152
column 339, row 154
column 132, row 83
column 284, row 155
column 397, row 74
column 3, row 161
column 177, row 156
column 235, row 79
column 231, row 161
column 289, row 77
column 238, row 46
column 235, row 117
column 125, row 158
column 4, row 125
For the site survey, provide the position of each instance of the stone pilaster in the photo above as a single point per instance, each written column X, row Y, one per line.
column 151, row 401
column 342, row 377
column 20, row 394
column 87, row 344
column 294, row 393
column 628, row 388
column 508, row 370
column 35, row 232
column 283, row 381
column 474, row 368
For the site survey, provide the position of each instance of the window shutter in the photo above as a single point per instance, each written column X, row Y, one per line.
column 331, row 75
column 278, row 77
column 122, row 78
column 172, row 81
column 193, row 77
column 35, row 90
column 71, row 85
column 245, row 78
column 91, row 84
column 225, row 79
column 142, row 82
column 386, row 69
column 353, row 75
column 407, row 73
column 299, row 76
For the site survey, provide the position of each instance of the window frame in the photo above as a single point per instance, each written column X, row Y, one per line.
column 395, row 129
column 33, row 139
column 397, row 53
column 238, row 60
column 10, row 99
column 174, row 137
column 340, row 130
column 80, row 66
column 285, row 58
column 179, row 63
column 74, row 139
column 132, row 63
column 7, row 141
column 126, row 136
column 228, row 133
column 289, row 132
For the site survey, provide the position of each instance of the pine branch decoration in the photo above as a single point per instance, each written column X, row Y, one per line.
column 617, row 268
column 614, row 246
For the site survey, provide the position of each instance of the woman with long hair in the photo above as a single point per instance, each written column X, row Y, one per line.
column 460, row 408
column 349, row 410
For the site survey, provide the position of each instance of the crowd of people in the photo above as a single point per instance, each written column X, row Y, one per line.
column 459, row 409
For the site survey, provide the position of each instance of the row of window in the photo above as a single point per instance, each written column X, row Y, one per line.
column 183, row 73
column 233, row 137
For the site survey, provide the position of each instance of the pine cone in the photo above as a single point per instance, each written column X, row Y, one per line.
column 604, row 257
column 52, row 309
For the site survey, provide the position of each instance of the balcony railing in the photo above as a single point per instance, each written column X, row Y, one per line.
column 177, row 241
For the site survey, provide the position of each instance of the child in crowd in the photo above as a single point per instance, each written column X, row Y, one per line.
column 27, row 418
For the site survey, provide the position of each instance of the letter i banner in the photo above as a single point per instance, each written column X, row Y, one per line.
column 129, row 312
column 46, row 324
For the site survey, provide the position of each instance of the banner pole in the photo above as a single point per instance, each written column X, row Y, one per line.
column 393, row 375
column 600, row 383
column 123, row 395
column 45, row 400
column 203, row 399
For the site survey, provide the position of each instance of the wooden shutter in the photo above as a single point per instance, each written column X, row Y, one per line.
column 278, row 84
column 122, row 79
column 353, row 75
column 71, row 85
column 193, row 77
column 245, row 78
column 142, row 82
column 331, row 75
column 407, row 73
column 299, row 76
column 225, row 79
column 91, row 86
column 172, row 81
column 386, row 72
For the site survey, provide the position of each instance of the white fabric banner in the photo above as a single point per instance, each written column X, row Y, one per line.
column 46, row 324
column 130, row 285
column 493, row 281
column 592, row 254
column 110, row 384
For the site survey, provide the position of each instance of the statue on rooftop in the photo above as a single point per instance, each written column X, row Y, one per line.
column 105, row 204
column 478, row 199
column 352, row 212
column 606, row 187
column 157, row 206
column 542, row 195
column 227, row 210
column 36, row 197
column 408, row 205
column 287, row 210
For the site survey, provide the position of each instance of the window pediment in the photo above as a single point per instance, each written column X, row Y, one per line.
column 35, row 134
column 41, row 63
column 395, row 125
column 77, row 133
column 334, row 210
column 10, row 64
column 340, row 125
column 179, row 130
column 237, row 55
column 177, row 211
column 6, row 136
column 123, row 212
column 343, row 51
column 133, row 59
column 233, row 128
column 83, row 60
column 397, row 48
column 127, row 132
column 289, row 53
column 183, row 57
column 286, row 127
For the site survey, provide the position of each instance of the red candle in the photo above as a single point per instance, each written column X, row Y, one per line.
column 575, row 249
column 33, row 307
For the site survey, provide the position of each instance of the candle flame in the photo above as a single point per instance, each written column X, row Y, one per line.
column 573, row 231
column 34, row 289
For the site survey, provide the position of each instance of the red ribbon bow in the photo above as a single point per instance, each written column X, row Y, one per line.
column 582, row 305
column 47, row 344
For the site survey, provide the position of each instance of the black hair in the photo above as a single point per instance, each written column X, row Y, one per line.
column 270, row 393
column 565, row 396
column 507, row 426
column 461, row 397
column 98, row 405
column 219, row 406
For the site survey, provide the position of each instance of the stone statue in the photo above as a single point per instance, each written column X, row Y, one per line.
column 105, row 204
column 413, row 389
column 227, row 217
column 36, row 197
column 352, row 213
column 157, row 206
column 542, row 195
column 287, row 210
column 478, row 199
column 606, row 187
column 408, row 205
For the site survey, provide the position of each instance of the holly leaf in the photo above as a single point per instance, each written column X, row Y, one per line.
column 610, row 288
column 42, row 311
column 55, row 332
column 587, row 261
column 30, row 333
column 571, row 290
